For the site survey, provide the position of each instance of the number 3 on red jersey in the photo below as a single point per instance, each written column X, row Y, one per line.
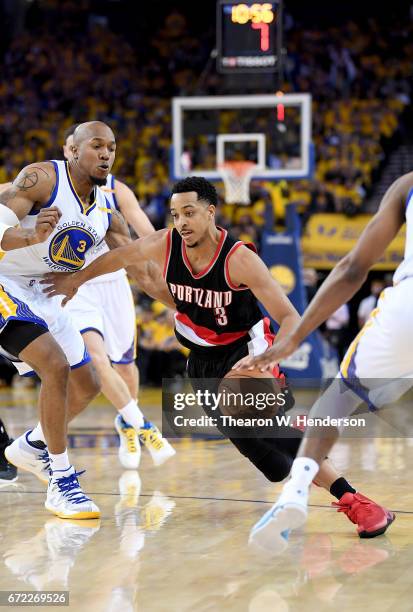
column 221, row 316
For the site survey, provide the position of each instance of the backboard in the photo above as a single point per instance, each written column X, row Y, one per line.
column 273, row 131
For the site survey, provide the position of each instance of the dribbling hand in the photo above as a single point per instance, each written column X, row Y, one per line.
column 267, row 361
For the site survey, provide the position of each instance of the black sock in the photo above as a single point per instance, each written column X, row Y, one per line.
column 341, row 486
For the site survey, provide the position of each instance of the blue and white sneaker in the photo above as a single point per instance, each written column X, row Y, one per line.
column 66, row 499
column 271, row 532
column 129, row 447
column 24, row 455
column 159, row 448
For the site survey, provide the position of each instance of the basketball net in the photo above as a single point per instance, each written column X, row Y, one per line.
column 236, row 176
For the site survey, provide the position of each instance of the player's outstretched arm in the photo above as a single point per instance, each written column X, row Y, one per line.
column 131, row 210
column 350, row 273
column 149, row 279
column 145, row 272
column 151, row 247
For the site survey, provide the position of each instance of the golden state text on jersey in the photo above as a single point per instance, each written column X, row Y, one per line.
column 81, row 228
column 69, row 245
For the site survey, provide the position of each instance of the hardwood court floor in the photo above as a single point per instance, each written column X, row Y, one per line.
column 174, row 538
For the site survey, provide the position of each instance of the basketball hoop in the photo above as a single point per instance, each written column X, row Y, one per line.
column 236, row 176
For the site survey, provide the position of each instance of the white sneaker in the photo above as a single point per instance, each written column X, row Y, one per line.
column 129, row 447
column 66, row 499
column 158, row 446
column 25, row 456
column 271, row 532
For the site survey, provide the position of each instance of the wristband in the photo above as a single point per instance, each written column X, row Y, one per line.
column 8, row 216
column 8, row 219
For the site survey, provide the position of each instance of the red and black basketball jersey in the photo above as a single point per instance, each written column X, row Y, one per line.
column 211, row 311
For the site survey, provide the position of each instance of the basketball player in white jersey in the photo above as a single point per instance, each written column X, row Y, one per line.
column 378, row 366
column 80, row 218
column 68, row 192
column 104, row 312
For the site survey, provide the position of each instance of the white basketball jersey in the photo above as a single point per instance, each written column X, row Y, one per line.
column 405, row 268
column 80, row 229
column 100, row 249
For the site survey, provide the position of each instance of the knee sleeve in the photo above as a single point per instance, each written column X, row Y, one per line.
column 274, row 464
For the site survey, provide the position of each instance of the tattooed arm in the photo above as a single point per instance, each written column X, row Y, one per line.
column 30, row 190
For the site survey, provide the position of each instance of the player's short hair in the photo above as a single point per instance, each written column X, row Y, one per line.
column 205, row 190
column 70, row 131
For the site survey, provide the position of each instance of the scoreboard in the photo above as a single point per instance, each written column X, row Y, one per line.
column 248, row 36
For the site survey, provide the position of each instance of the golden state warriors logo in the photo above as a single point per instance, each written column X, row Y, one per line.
column 285, row 276
column 69, row 247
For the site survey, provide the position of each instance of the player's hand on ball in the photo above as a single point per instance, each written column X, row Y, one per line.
column 60, row 283
column 266, row 361
column 46, row 221
column 248, row 363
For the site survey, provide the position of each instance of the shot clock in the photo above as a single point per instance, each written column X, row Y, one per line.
column 248, row 36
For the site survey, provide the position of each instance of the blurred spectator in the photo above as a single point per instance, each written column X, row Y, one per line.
column 369, row 303
column 310, row 280
column 336, row 329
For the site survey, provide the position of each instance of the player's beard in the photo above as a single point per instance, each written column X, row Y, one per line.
column 100, row 182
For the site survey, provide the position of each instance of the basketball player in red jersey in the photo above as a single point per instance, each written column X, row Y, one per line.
column 215, row 283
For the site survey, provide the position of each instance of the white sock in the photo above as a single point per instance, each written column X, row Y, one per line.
column 132, row 414
column 303, row 471
column 59, row 462
column 37, row 434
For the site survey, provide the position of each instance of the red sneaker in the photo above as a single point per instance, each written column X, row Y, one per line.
column 371, row 519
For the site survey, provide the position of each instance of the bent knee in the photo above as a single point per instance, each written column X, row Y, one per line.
column 275, row 469
column 87, row 381
column 60, row 368
column 100, row 362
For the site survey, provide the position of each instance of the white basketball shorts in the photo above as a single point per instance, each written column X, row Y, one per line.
column 107, row 307
column 378, row 365
column 22, row 299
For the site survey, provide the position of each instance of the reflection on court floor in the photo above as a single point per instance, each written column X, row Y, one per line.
column 175, row 537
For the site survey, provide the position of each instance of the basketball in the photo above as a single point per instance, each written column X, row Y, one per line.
column 250, row 393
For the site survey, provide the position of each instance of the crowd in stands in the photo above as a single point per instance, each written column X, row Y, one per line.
column 359, row 76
